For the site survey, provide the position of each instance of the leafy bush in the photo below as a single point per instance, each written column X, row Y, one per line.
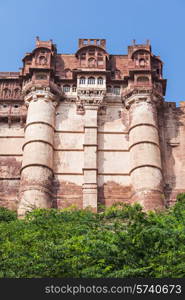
column 122, row 241
column 7, row 215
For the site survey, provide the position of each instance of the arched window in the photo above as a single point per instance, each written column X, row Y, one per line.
column 66, row 88
column 42, row 60
column 143, row 79
column 16, row 92
column 117, row 74
column 83, row 56
column 100, row 59
column 91, row 80
column 82, row 80
column 117, row 90
column 142, row 62
column 100, row 80
column 109, row 89
column 91, row 52
column 100, row 56
column 91, row 62
column 74, row 88
column 6, row 92
column 41, row 76
column 67, row 73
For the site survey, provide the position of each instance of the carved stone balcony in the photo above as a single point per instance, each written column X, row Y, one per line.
column 29, row 85
column 11, row 114
column 133, row 66
column 142, row 88
column 90, row 93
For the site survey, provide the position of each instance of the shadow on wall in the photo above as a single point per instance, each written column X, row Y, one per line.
column 9, row 181
column 170, row 123
column 66, row 194
column 109, row 190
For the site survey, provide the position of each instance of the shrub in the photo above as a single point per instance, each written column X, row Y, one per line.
column 7, row 215
column 122, row 241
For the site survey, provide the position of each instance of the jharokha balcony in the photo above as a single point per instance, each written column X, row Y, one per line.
column 13, row 112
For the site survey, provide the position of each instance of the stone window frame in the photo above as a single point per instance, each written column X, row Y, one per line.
column 66, row 88
column 67, row 73
column 142, row 62
column 109, row 89
column 143, row 78
column 82, row 80
column 116, row 90
column 91, row 52
column 74, row 87
column 91, row 80
column 83, row 56
column 100, row 56
column 16, row 92
column 16, row 106
column 100, row 80
column 42, row 60
column 41, row 76
column 6, row 92
column 91, row 59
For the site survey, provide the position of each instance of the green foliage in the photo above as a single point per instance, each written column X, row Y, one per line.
column 7, row 215
column 121, row 241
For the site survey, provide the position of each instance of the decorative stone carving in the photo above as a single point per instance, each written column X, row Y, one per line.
column 80, row 109
column 42, row 60
column 137, row 95
column 89, row 97
column 41, row 94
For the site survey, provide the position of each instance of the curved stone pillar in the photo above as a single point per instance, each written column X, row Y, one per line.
column 145, row 157
column 37, row 165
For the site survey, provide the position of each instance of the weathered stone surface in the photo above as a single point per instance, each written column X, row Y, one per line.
column 89, row 128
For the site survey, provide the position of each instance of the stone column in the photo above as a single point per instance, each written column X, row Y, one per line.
column 37, row 165
column 90, row 193
column 145, row 157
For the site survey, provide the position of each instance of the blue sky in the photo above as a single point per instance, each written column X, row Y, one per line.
column 119, row 21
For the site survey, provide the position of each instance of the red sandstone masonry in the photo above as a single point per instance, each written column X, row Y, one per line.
column 128, row 81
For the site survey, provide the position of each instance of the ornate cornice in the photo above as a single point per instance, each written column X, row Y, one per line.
column 142, row 94
column 41, row 93
column 31, row 85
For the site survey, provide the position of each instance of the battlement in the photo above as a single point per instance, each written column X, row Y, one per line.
column 8, row 75
column 89, row 42
column 44, row 44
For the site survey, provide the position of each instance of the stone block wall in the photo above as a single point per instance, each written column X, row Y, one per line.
column 89, row 128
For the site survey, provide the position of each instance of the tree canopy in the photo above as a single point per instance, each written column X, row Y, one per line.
column 121, row 241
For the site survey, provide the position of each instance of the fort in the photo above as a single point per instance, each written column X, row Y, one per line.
column 88, row 128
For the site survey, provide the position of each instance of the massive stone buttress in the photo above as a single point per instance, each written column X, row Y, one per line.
column 37, row 164
column 145, row 156
column 41, row 95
